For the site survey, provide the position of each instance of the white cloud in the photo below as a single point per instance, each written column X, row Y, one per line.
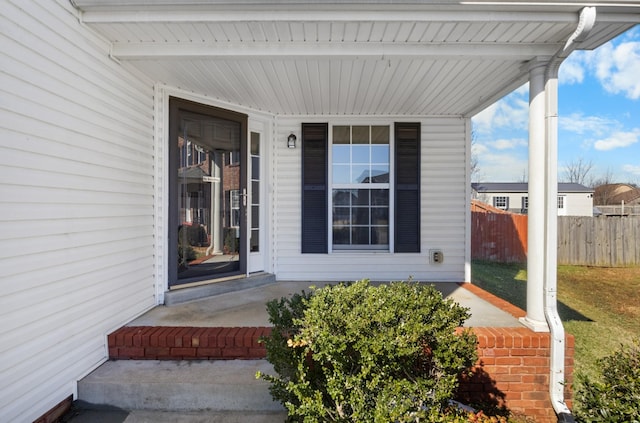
column 618, row 140
column 507, row 144
column 617, row 67
column 501, row 167
column 482, row 122
column 523, row 90
column 590, row 125
column 572, row 70
column 633, row 169
column 510, row 112
column 478, row 148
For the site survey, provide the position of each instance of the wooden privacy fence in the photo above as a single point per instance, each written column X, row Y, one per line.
column 499, row 237
column 590, row 241
column 599, row 241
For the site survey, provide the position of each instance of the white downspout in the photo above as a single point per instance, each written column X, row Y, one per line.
column 557, row 371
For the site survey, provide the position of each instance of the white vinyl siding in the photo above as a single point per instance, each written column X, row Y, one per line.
column 578, row 203
column 443, row 210
column 76, row 203
column 574, row 203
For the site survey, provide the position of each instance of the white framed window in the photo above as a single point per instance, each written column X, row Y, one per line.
column 501, row 202
column 561, row 201
column 360, row 187
column 234, row 207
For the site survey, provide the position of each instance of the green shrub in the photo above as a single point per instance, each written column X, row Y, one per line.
column 193, row 235
column 359, row 353
column 186, row 253
column 615, row 396
column 231, row 243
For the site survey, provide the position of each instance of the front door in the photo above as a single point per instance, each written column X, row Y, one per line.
column 207, row 193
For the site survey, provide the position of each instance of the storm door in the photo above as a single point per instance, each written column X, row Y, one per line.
column 207, row 193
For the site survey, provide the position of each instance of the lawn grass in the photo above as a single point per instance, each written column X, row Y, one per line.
column 600, row 306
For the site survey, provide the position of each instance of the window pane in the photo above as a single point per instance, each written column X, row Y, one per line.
column 360, row 235
column 379, row 197
column 360, row 154
column 255, row 167
column 255, row 192
column 380, row 175
column 341, row 235
column 255, row 240
column 341, row 153
column 380, row 154
column 361, row 197
column 379, row 135
column 255, row 144
column 360, row 216
column 341, row 174
column 342, row 197
column 360, row 174
column 341, row 134
column 379, row 216
column 341, row 216
column 255, row 216
column 360, row 135
column 380, row 235
column 235, row 199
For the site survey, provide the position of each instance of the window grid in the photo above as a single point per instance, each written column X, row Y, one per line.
column 234, row 203
column 254, row 239
column 500, row 202
column 360, row 175
column 561, row 201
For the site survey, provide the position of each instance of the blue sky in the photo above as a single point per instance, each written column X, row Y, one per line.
column 599, row 118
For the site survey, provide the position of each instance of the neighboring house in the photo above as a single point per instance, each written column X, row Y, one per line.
column 573, row 199
column 617, row 200
column 313, row 140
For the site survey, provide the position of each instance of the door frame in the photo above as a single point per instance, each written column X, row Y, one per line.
column 175, row 106
column 257, row 261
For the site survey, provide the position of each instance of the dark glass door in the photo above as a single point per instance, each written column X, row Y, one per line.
column 207, row 195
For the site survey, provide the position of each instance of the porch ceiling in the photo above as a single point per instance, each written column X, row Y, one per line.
column 317, row 58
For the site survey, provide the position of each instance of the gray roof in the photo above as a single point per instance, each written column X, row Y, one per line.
column 563, row 187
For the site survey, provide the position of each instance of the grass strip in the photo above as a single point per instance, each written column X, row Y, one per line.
column 600, row 306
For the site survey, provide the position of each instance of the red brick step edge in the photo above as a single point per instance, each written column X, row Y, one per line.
column 187, row 343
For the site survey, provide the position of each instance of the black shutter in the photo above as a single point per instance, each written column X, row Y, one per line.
column 315, row 141
column 407, row 194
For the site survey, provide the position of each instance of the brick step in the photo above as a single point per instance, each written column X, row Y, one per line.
column 187, row 343
column 512, row 370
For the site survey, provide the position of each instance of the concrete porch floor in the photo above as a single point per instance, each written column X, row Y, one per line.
column 247, row 307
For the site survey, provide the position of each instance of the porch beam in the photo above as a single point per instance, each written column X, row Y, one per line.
column 200, row 14
column 327, row 50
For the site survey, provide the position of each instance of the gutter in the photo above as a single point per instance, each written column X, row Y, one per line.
column 557, row 366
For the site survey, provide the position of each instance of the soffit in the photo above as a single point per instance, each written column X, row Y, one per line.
column 348, row 59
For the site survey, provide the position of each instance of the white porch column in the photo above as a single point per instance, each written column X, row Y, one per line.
column 535, row 318
column 215, row 247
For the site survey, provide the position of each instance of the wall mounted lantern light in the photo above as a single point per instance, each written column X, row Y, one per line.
column 291, row 141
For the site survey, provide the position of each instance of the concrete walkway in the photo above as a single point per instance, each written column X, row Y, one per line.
column 247, row 307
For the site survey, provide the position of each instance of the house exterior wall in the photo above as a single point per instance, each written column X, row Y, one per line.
column 576, row 203
column 77, row 204
column 444, row 205
column 579, row 204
